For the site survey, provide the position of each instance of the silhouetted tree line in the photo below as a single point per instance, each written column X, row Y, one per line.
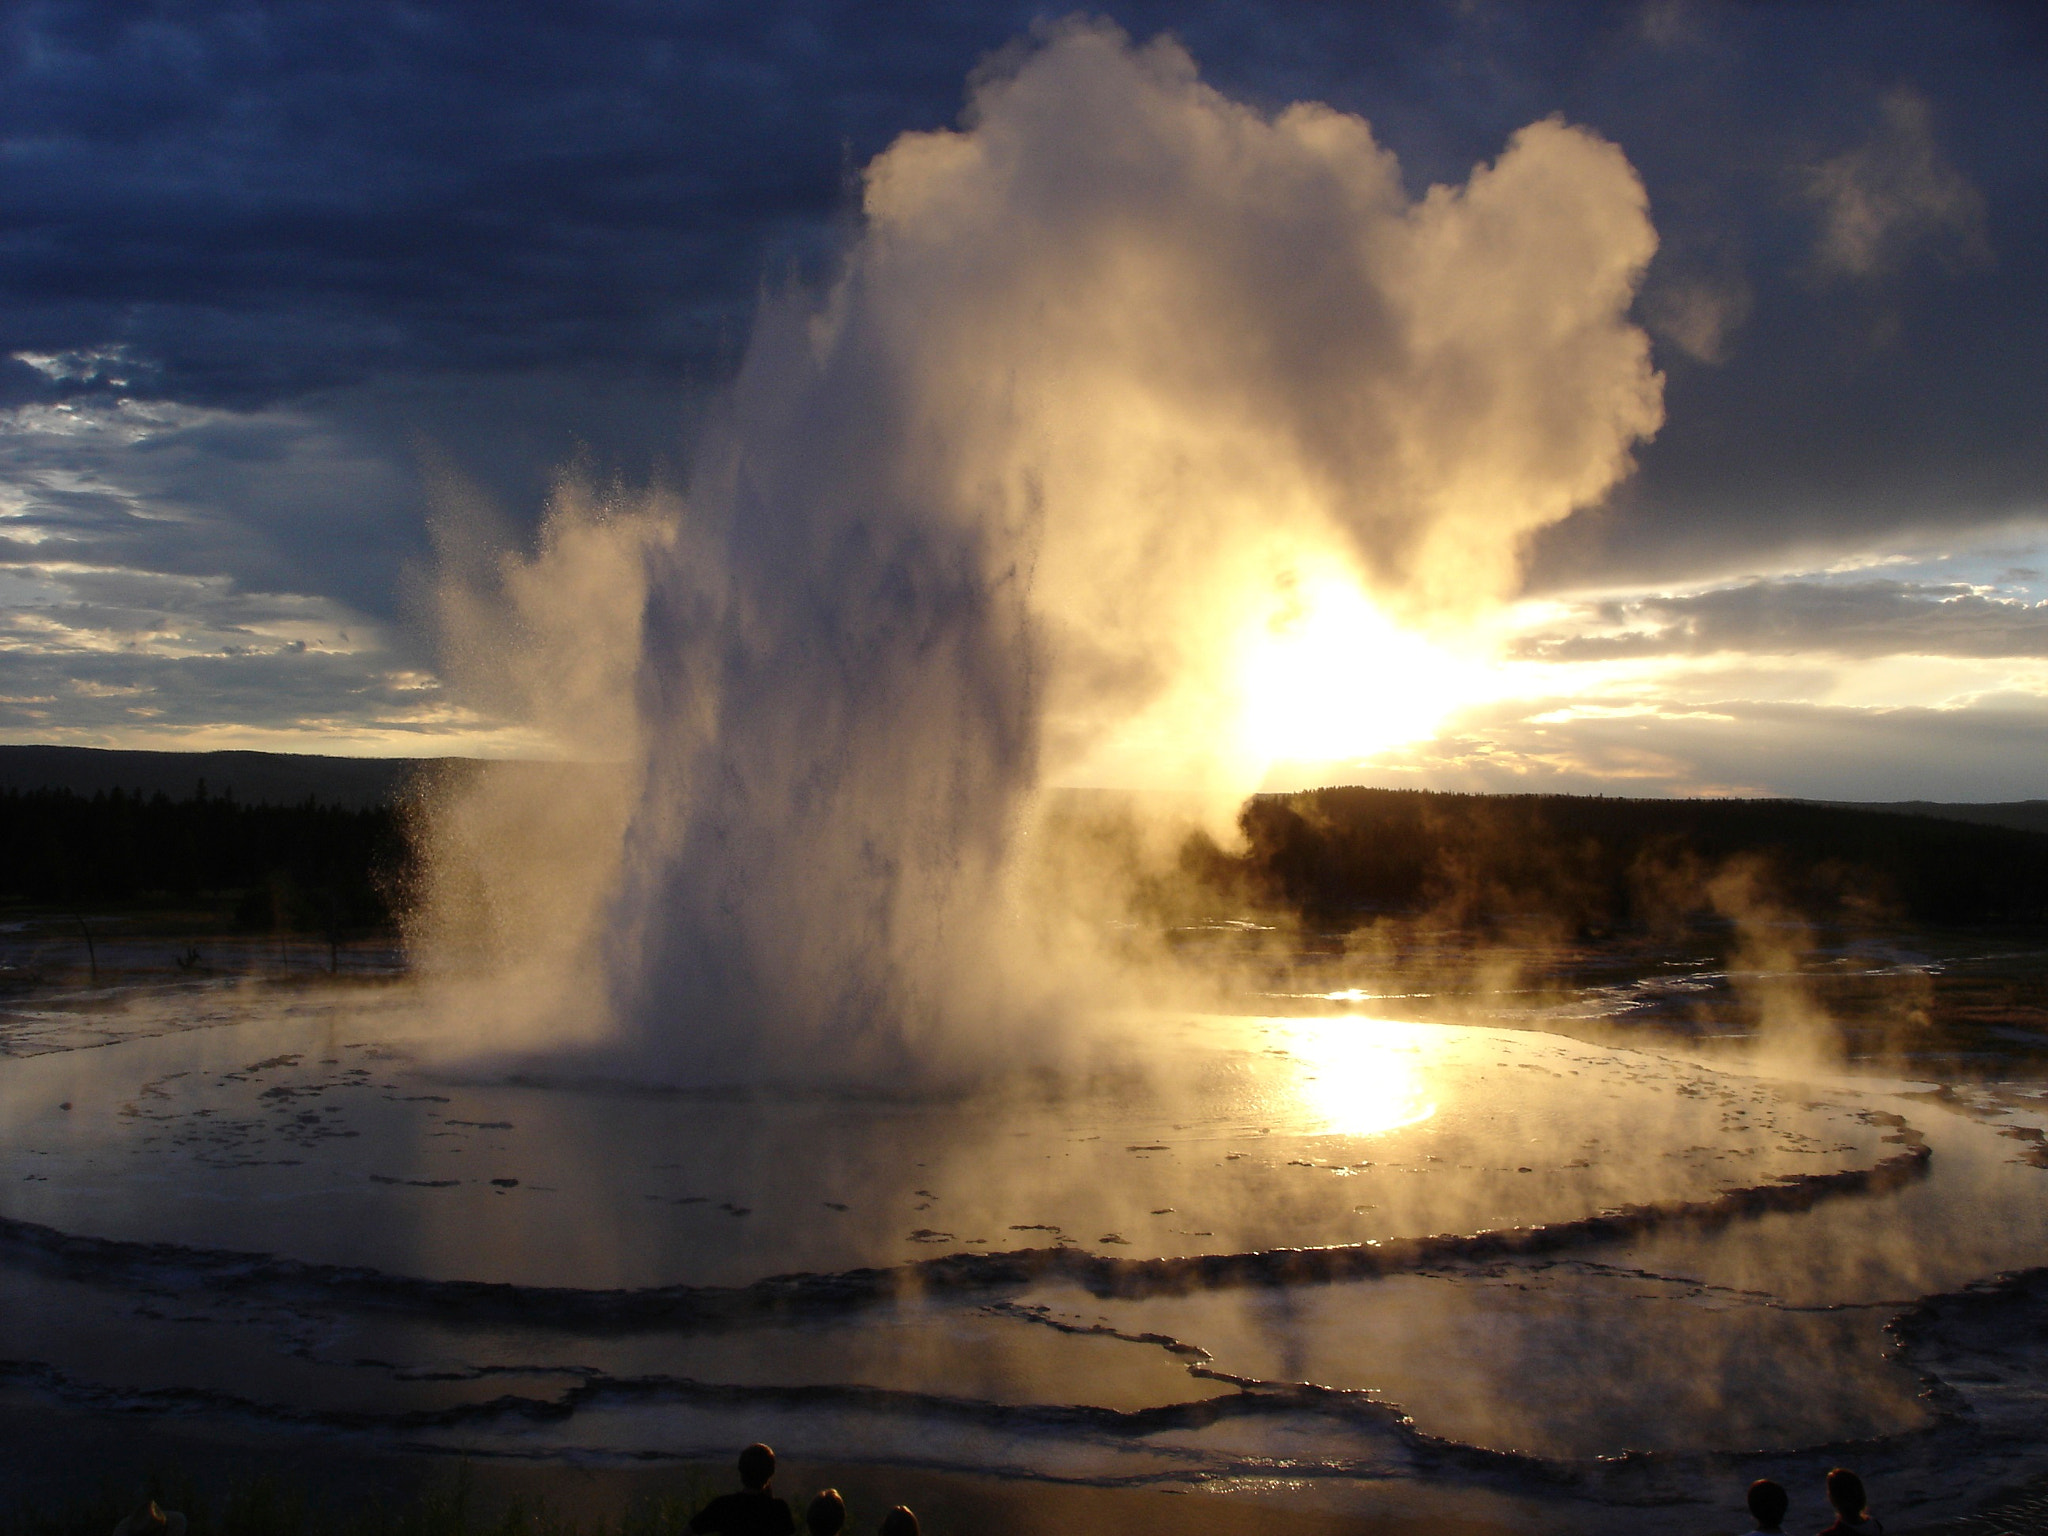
column 303, row 868
column 1341, row 856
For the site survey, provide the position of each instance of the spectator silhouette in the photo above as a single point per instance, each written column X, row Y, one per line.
column 826, row 1515
column 899, row 1522
column 753, row 1511
column 1767, row 1505
column 149, row 1520
column 1851, row 1505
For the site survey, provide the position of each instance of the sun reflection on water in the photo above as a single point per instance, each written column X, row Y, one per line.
column 1360, row 1077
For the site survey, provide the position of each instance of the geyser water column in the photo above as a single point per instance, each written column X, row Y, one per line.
column 1113, row 379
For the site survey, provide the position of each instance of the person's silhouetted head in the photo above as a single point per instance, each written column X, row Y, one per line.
column 1767, row 1504
column 899, row 1522
column 757, row 1466
column 152, row 1519
column 826, row 1515
column 1845, row 1492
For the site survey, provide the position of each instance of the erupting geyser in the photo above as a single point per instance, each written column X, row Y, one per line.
column 1116, row 385
column 781, row 1062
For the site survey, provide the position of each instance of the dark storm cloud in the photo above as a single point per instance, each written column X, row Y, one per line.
column 341, row 241
column 263, row 199
column 495, row 238
column 270, row 198
column 1859, row 191
column 1786, row 618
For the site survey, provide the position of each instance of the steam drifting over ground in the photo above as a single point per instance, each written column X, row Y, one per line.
column 1120, row 388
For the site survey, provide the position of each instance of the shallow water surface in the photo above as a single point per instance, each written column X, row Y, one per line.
column 1336, row 1254
column 324, row 1133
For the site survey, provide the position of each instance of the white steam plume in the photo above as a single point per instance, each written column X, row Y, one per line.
column 1111, row 376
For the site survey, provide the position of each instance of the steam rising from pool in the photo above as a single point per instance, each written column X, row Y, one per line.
column 1108, row 380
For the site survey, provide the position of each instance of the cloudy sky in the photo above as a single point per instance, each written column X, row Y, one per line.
column 275, row 277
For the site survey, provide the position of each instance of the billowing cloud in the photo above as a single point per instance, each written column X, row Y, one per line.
column 1121, row 379
column 1894, row 194
column 1699, row 313
column 1211, row 355
column 1187, row 364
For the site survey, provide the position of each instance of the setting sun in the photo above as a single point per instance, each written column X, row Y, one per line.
column 1326, row 675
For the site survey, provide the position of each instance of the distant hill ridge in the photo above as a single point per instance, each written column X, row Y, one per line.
column 2020, row 815
column 254, row 778
column 288, row 778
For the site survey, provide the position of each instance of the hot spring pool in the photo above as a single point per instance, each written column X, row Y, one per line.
column 1323, row 1258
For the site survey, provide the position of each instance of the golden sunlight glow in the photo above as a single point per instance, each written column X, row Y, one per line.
column 1363, row 1076
column 1330, row 676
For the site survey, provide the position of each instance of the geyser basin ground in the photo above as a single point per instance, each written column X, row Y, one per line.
column 319, row 1133
column 1346, row 1262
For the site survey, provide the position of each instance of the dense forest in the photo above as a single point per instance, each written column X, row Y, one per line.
column 308, row 867
column 1341, row 856
column 1337, row 857
column 257, row 778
